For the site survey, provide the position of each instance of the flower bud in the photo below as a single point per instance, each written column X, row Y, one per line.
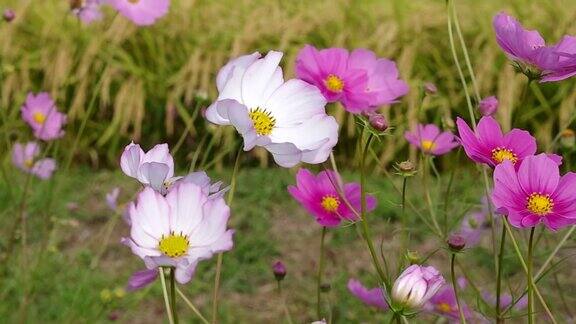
column 430, row 88
column 325, row 287
column 279, row 270
column 378, row 122
column 406, row 166
column 456, row 242
column 76, row 4
column 413, row 257
column 488, row 106
column 415, row 286
column 568, row 138
column 9, row 15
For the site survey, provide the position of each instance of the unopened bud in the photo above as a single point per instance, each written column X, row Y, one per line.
column 406, row 166
column 568, row 138
column 378, row 122
column 413, row 257
column 279, row 270
column 9, row 15
column 488, row 106
column 456, row 242
column 430, row 88
column 325, row 287
column 76, row 4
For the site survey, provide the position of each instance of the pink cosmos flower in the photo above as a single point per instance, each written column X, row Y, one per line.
column 359, row 80
column 444, row 304
column 535, row 193
column 24, row 158
column 141, row 12
column 505, row 301
column 488, row 106
column 318, row 195
column 287, row 118
column 153, row 168
column 141, row 279
column 372, row 297
column 179, row 229
column 431, row 140
column 40, row 112
column 416, row 285
column 530, row 54
column 87, row 11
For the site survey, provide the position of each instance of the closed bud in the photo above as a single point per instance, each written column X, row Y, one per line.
column 456, row 242
column 405, row 168
column 488, row 106
column 9, row 15
column 378, row 122
column 279, row 270
column 76, row 4
column 415, row 286
column 413, row 257
column 568, row 138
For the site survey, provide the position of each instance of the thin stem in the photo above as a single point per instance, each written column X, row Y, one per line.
column 165, row 293
column 365, row 227
column 191, row 306
column 428, row 196
column 455, row 286
column 553, row 254
column 403, row 216
column 319, row 276
column 499, row 274
column 529, row 279
column 173, row 294
column 284, row 305
column 219, row 257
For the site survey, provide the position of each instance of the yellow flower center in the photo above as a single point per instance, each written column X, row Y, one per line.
column 444, row 308
column 262, row 120
column 39, row 117
column 334, row 83
column 28, row 163
column 540, row 204
column 501, row 154
column 134, row 1
column 330, row 203
column 174, row 245
column 427, row 145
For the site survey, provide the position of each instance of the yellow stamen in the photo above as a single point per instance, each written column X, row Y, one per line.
column 501, row 154
column 263, row 121
column 444, row 308
column 39, row 117
column 540, row 204
column 427, row 145
column 334, row 83
column 330, row 203
column 28, row 163
column 174, row 245
column 134, row 1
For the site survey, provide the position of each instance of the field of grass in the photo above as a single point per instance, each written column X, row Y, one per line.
column 118, row 83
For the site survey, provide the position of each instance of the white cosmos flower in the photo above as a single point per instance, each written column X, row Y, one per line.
column 286, row 118
column 152, row 168
column 178, row 230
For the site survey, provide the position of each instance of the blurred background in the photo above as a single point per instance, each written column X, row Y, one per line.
column 150, row 85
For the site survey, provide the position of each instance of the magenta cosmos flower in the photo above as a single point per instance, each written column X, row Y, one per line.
column 179, row 229
column 535, row 193
column 372, row 297
column 318, row 195
column 530, row 54
column 359, row 80
column 444, row 304
column 287, row 118
column 141, row 12
column 25, row 156
column 415, row 286
column 40, row 112
column 431, row 140
column 87, row 11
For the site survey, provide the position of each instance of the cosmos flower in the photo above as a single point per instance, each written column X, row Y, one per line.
column 415, row 286
column 141, row 12
column 535, row 193
column 178, row 230
column 288, row 119
column 40, row 112
column 431, row 140
column 152, row 168
column 372, row 297
column 505, row 301
column 444, row 304
column 359, row 80
column 25, row 156
column 141, row 279
column 488, row 106
column 528, row 50
column 87, row 11
column 474, row 225
column 318, row 195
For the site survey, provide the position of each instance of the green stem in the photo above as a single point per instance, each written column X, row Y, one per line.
column 165, row 293
column 455, row 286
column 426, row 172
column 284, row 305
column 403, row 216
column 173, row 294
column 499, row 274
column 529, row 279
column 191, row 306
column 219, row 257
column 319, row 276
column 365, row 227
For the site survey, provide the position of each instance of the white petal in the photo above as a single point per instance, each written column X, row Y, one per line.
column 285, row 155
column 213, row 225
column 151, row 213
column 131, row 159
column 185, row 201
column 236, row 66
column 294, row 102
column 161, row 154
column 261, row 79
column 154, row 174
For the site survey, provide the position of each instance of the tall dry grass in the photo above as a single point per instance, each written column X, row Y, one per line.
column 131, row 81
